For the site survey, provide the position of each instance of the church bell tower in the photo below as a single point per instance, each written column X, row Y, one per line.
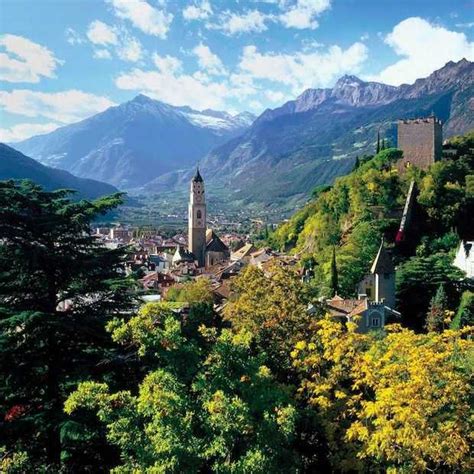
column 197, row 219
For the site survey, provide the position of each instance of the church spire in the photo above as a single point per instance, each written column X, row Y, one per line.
column 197, row 177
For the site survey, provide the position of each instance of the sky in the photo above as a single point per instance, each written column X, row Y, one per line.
column 64, row 60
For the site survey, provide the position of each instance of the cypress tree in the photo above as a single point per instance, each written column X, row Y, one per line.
column 378, row 142
column 437, row 312
column 58, row 288
column 334, row 283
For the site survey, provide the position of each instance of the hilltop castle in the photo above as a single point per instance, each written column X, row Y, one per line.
column 203, row 243
column 421, row 141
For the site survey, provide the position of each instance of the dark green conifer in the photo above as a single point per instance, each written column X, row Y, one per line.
column 58, row 289
column 437, row 312
column 334, row 283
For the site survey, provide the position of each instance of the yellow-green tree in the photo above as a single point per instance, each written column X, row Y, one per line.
column 398, row 402
column 274, row 308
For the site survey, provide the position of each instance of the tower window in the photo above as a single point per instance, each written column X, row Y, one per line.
column 375, row 322
column 199, row 214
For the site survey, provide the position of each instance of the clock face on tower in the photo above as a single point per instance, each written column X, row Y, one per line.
column 198, row 198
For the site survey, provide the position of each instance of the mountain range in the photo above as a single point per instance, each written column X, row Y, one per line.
column 308, row 141
column 283, row 154
column 15, row 165
column 130, row 144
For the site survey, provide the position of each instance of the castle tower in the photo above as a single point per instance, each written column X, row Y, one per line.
column 197, row 219
column 421, row 141
column 383, row 273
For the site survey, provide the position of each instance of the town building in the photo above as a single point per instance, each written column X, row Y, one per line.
column 375, row 305
column 203, row 243
column 421, row 141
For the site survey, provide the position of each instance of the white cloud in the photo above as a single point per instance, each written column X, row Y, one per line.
column 102, row 54
column 23, row 131
column 25, row 61
column 73, row 37
column 101, row 34
column 66, row 107
column 465, row 25
column 175, row 89
column 198, row 11
column 234, row 23
column 126, row 46
column 302, row 70
column 423, row 48
column 167, row 64
column 208, row 61
column 130, row 49
column 143, row 16
column 303, row 13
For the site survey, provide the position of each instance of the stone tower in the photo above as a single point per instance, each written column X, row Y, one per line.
column 383, row 273
column 379, row 285
column 421, row 141
column 197, row 219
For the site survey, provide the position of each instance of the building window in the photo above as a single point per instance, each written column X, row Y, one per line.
column 199, row 214
column 368, row 292
column 376, row 322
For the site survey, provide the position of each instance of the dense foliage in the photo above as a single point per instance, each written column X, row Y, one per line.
column 58, row 287
column 207, row 404
column 362, row 206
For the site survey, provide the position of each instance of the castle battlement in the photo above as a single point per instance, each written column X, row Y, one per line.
column 431, row 119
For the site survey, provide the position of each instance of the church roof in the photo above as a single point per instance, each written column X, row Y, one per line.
column 214, row 243
column 197, row 177
column 383, row 262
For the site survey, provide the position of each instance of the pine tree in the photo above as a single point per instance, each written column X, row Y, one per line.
column 437, row 312
column 58, row 288
column 334, row 284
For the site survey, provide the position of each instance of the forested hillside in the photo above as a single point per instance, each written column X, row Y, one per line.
column 352, row 215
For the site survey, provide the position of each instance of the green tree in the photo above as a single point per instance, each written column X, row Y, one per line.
column 334, row 284
column 196, row 291
column 58, row 287
column 208, row 403
column 437, row 312
column 465, row 313
column 418, row 279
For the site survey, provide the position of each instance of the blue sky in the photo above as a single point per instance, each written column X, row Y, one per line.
column 64, row 60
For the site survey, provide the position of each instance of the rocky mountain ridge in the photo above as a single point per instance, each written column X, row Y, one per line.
column 316, row 137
